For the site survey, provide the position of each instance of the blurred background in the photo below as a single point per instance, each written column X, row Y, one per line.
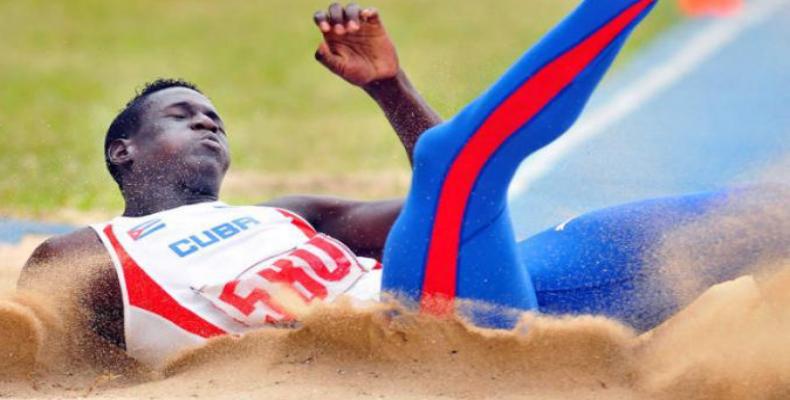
column 67, row 67
column 697, row 101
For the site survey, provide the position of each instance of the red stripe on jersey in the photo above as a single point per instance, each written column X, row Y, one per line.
column 145, row 293
column 338, row 251
column 518, row 109
column 299, row 222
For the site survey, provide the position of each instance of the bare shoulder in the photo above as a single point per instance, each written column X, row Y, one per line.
column 79, row 249
column 80, row 243
column 78, row 267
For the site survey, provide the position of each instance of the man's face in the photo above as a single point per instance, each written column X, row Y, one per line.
column 181, row 141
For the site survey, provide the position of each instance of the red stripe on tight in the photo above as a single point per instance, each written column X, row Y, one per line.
column 145, row 293
column 439, row 285
column 299, row 222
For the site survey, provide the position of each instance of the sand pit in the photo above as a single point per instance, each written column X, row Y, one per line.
column 730, row 343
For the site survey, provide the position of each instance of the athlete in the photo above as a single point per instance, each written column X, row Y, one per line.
column 179, row 266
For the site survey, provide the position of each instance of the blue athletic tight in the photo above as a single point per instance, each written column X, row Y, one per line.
column 454, row 238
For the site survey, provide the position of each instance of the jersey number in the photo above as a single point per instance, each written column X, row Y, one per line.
column 320, row 269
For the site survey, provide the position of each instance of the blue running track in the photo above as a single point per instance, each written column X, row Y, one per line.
column 705, row 106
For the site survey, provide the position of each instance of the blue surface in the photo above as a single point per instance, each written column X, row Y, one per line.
column 726, row 119
column 12, row 231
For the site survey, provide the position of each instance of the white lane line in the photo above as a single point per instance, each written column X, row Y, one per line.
column 697, row 50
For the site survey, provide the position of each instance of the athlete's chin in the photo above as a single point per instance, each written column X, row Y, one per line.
column 206, row 177
column 211, row 163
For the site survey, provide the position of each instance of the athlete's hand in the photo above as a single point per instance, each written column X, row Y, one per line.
column 356, row 46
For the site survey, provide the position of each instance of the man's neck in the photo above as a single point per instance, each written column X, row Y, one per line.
column 141, row 202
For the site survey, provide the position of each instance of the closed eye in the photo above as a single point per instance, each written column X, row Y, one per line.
column 179, row 111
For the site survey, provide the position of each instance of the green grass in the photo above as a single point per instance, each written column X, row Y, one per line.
column 66, row 67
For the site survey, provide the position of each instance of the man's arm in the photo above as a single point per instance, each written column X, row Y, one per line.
column 362, row 225
column 357, row 48
column 76, row 266
column 406, row 110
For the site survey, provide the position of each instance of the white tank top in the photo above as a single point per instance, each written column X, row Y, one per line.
column 203, row 270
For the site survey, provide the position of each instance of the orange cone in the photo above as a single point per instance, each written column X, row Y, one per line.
column 710, row 7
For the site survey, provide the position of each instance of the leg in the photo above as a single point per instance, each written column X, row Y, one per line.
column 453, row 238
column 613, row 261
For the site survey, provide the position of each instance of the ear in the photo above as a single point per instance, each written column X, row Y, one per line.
column 121, row 152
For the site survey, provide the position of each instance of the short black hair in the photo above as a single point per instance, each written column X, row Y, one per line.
column 127, row 122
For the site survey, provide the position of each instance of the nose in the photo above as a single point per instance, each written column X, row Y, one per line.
column 204, row 122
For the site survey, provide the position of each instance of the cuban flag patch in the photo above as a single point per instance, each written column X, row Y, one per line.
column 146, row 228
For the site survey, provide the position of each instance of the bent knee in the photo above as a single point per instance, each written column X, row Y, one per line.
column 429, row 146
column 437, row 148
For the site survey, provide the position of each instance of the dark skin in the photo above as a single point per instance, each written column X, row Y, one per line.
column 179, row 156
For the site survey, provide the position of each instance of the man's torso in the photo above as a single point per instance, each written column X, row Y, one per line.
column 202, row 270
